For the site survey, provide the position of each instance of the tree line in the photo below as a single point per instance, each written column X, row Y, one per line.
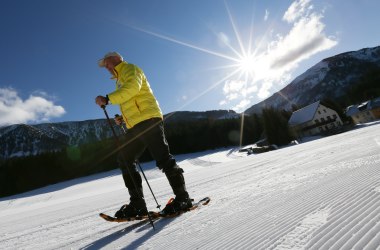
column 26, row 173
column 367, row 87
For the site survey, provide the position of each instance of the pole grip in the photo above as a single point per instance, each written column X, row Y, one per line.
column 110, row 123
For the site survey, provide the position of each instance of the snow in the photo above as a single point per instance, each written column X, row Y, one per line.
column 313, row 75
column 321, row 194
column 305, row 114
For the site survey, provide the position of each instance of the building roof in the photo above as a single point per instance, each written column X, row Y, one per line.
column 375, row 103
column 352, row 110
column 304, row 115
column 365, row 106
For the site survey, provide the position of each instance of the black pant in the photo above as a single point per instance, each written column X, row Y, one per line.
column 149, row 135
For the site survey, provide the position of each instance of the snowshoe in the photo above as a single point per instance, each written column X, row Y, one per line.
column 177, row 206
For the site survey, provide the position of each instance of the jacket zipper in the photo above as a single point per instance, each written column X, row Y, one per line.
column 121, row 110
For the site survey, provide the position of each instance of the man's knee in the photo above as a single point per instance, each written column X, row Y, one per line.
column 124, row 161
column 167, row 164
column 131, row 175
column 175, row 176
column 174, row 170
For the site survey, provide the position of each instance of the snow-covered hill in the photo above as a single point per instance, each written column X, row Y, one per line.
column 322, row 194
column 331, row 78
column 22, row 139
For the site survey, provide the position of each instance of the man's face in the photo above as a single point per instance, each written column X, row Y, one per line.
column 109, row 64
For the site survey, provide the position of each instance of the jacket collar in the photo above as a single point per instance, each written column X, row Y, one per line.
column 118, row 69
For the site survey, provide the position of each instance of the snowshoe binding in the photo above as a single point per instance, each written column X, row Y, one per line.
column 176, row 206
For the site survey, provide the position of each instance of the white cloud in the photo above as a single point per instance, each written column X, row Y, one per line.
column 37, row 108
column 233, row 86
column 296, row 10
column 223, row 40
column 222, row 102
column 233, row 89
column 264, row 90
column 272, row 67
column 243, row 104
column 266, row 16
column 305, row 39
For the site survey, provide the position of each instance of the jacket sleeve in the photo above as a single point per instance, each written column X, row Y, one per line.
column 131, row 81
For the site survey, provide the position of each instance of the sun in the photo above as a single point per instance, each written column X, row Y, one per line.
column 247, row 64
column 243, row 60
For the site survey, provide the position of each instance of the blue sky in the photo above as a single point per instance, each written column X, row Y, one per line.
column 197, row 55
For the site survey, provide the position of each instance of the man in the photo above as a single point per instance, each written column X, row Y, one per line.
column 144, row 120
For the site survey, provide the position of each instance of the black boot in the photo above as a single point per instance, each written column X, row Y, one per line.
column 135, row 208
column 177, row 205
column 182, row 201
column 130, row 211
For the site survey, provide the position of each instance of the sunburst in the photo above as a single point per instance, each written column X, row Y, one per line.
column 244, row 63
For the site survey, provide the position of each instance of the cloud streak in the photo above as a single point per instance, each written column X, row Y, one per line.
column 36, row 108
column 266, row 16
column 272, row 67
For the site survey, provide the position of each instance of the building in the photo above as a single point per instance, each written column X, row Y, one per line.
column 365, row 112
column 314, row 119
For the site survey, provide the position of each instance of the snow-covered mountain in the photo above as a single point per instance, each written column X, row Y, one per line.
column 323, row 194
column 22, row 139
column 330, row 78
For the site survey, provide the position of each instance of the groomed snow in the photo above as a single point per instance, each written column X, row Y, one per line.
column 322, row 194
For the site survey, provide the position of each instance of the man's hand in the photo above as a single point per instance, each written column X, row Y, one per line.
column 118, row 120
column 101, row 100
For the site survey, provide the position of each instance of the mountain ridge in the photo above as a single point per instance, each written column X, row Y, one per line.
column 330, row 78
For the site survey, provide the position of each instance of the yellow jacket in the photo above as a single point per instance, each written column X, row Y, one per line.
column 134, row 95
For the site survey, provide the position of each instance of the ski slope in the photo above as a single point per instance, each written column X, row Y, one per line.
column 322, row 194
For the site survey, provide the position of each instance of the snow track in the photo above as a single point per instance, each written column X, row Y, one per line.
column 323, row 194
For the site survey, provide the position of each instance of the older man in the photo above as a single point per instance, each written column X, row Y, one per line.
column 143, row 118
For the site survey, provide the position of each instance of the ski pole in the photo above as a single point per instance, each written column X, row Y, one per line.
column 147, row 182
column 117, row 116
column 142, row 171
column 123, row 159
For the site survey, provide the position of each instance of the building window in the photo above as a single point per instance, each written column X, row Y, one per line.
column 334, row 116
column 324, row 110
column 323, row 119
column 319, row 112
column 328, row 118
column 316, row 121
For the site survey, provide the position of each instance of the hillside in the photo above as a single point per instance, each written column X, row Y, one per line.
column 323, row 194
column 331, row 78
column 22, row 139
